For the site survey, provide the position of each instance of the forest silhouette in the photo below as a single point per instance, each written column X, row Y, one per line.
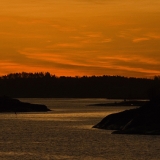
column 45, row 85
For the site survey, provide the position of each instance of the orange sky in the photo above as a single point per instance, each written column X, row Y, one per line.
column 80, row 37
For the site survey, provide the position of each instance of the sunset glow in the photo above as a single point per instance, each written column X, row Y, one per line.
column 80, row 37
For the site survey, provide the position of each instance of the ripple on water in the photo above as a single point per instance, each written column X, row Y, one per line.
column 70, row 136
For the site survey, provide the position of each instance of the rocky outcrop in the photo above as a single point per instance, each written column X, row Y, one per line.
column 142, row 120
column 8, row 104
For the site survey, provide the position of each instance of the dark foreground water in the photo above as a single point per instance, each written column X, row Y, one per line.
column 66, row 134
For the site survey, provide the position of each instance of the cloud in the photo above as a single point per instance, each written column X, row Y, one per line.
column 137, row 69
column 153, row 35
column 62, row 64
column 131, row 59
column 8, row 67
column 80, row 36
column 64, row 28
column 106, row 40
column 130, row 65
column 148, row 36
column 56, row 58
column 90, row 63
column 65, row 45
column 140, row 39
column 13, row 67
column 93, row 35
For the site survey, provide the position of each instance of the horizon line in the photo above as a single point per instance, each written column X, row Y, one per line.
column 77, row 76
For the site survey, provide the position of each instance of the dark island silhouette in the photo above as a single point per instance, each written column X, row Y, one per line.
column 143, row 120
column 8, row 104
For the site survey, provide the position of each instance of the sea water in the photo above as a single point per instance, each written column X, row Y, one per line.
column 66, row 133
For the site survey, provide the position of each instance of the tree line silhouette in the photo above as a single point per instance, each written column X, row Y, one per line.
column 45, row 85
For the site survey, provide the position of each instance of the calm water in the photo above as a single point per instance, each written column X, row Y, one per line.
column 66, row 133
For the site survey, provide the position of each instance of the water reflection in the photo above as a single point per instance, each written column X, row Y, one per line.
column 68, row 134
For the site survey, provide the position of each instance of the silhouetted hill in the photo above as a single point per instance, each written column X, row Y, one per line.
column 8, row 104
column 47, row 85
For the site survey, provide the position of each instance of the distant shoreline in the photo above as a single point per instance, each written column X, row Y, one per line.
column 45, row 85
column 123, row 103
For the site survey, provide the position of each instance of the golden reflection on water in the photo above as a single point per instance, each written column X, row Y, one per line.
column 66, row 133
column 55, row 116
column 15, row 153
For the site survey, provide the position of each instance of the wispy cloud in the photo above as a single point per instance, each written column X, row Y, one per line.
column 72, row 59
column 97, row 64
column 65, row 45
column 93, row 34
column 13, row 67
column 106, row 40
column 134, row 59
column 59, row 64
column 140, row 39
column 153, row 35
column 80, row 37
column 64, row 28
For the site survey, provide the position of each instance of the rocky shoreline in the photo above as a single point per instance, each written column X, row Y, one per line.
column 8, row 104
column 143, row 120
